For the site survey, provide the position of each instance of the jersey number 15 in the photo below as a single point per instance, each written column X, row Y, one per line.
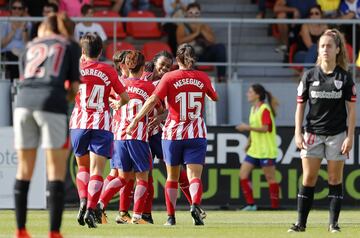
column 188, row 102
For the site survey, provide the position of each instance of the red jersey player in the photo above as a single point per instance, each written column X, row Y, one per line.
column 90, row 125
column 131, row 151
column 184, row 133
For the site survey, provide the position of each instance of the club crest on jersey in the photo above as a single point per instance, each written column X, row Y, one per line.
column 338, row 84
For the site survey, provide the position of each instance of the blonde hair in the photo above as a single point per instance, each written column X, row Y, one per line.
column 342, row 56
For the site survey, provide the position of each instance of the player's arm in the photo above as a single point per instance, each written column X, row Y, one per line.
column 148, row 106
column 348, row 142
column 118, row 88
column 72, row 91
column 156, row 120
column 350, row 96
column 210, row 92
column 117, row 104
column 74, row 54
column 245, row 127
column 266, row 122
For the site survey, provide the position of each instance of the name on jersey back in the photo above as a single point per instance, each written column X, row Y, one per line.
column 139, row 91
column 188, row 81
column 96, row 73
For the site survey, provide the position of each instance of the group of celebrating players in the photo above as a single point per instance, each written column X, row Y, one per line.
column 133, row 135
column 135, row 132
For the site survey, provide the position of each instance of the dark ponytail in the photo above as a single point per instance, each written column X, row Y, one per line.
column 185, row 55
column 263, row 94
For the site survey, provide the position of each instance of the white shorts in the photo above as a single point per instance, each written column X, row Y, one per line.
column 328, row 147
column 31, row 127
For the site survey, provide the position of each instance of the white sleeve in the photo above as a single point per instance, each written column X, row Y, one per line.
column 101, row 32
column 169, row 10
column 77, row 33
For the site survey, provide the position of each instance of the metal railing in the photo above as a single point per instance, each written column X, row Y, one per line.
column 228, row 22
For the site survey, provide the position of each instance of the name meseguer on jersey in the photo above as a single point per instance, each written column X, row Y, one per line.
column 96, row 73
column 327, row 95
column 188, row 81
column 138, row 91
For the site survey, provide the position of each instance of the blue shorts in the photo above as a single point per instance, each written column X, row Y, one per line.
column 131, row 155
column 98, row 141
column 190, row 151
column 155, row 146
column 260, row 162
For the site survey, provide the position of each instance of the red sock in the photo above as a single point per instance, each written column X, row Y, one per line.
column 184, row 185
column 113, row 187
column 140, row 196
column 196, row 190
column 150, row 195
column 82, row 181
column 107, row 181
column 126, row 194
column 247, row 191
column 274, row 195
column 94, row 190
column 171, row 192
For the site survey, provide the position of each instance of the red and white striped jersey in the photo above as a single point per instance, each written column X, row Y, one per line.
column 139, row 91
column 185, row 91
column 92, row 109
column 147, row 76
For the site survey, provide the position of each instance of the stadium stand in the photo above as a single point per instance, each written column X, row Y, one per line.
column 141, row 29
column 150, row 49
column 109, row 26
column 123, row 45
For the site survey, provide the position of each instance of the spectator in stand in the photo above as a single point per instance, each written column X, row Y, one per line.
column 202, row 38
column 309, row 37
column 290, row 9
column 329, row 7
column 131, row 5
column 175, row 9
column 14, row 36
column 88, row 27
column 350, row 9
column 47, row 9
column 72, row 7
column 35, row 8
column 262, row 9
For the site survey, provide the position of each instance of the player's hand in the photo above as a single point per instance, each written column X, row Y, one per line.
column 299, row 141
column 130, row 128
column 155, row 121
column 347, row 145
column 242, row 127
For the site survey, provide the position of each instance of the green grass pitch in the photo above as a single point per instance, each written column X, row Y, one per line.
column 219, row 224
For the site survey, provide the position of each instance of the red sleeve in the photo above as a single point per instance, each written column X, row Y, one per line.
column 116, row 84
column 210, row 91
column 266, row 119
column 162, row 89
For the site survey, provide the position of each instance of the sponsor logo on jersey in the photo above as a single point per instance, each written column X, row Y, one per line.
column 316, row 83
column 326, row 95
column 338, row 84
